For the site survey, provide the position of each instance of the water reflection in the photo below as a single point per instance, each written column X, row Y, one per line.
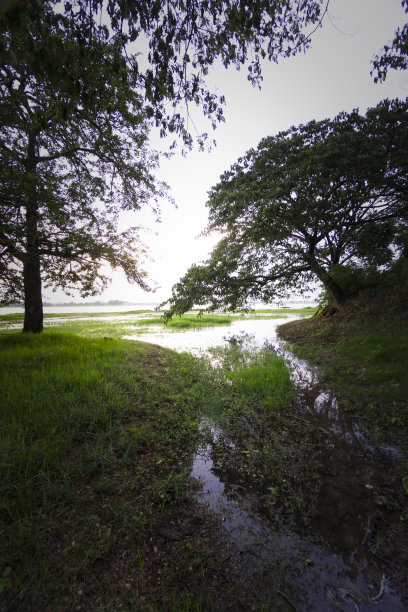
column 333, row 569
column 198, row 341
column 313, row 575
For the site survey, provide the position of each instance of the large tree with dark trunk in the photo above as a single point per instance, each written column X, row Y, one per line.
column 318, row 196
column 73, row 153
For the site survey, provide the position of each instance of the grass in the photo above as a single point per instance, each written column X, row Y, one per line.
column 84, row 418
column 365, row 360
column 96, row 439
column 259, row 376
column 260, row 446
column 97, row 436
column 187, row 322
column 267, row 378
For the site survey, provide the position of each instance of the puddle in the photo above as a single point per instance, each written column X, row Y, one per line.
column 332, row 568
column 315, row 577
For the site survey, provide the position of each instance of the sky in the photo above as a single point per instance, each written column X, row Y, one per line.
column 332, row 76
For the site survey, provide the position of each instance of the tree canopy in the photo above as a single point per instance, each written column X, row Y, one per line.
column 186, row 37
column 394, row 56
column 320, row 195
column 76, row 105
column 77, row 101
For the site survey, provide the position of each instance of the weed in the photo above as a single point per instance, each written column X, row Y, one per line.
column 169, row 489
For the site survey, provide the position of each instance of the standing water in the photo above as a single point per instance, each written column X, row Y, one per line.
column 334, row 565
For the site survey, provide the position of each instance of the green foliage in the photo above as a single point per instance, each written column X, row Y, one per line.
column 317, row 196
column 73, row 154
column 186, row 39
column 395, row 55
column 352, row 279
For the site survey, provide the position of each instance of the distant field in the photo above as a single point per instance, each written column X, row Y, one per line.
column 19, row 316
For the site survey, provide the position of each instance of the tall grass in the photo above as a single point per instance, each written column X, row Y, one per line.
column 266, row 378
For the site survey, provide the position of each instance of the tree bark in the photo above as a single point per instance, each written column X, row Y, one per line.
column 33, row 308
column 329, row 283
column 334, row 289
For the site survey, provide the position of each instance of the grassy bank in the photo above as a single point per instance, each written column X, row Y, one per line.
column 364, row 358
column 96, row 441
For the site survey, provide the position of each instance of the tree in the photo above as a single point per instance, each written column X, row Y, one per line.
column 317, row 196
column 75, row 106
column 186, row 37
column 73, row 153
column 395, row 55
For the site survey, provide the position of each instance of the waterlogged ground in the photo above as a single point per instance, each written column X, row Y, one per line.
column 304, row 496
column 339, row 549
column 199, row 341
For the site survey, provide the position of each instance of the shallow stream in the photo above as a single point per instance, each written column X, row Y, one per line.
column 334, row 566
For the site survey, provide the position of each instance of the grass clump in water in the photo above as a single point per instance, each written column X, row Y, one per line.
column 259, row 444
column 187, row 321
column 265, row 378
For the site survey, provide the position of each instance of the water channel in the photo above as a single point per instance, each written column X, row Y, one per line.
column 335, row 568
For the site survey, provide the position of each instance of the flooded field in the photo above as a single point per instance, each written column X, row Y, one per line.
column 306, row 499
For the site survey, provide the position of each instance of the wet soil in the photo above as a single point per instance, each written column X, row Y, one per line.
column 345, row 546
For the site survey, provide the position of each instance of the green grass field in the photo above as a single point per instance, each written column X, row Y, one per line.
column 96, row 437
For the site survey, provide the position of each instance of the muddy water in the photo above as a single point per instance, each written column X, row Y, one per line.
column 335, row 565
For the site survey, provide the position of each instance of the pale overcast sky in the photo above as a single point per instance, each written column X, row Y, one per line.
column 334, row 75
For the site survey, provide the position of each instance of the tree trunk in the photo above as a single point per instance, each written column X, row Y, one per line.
column 329, row 283
column 33, row 308
column 334, row 289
